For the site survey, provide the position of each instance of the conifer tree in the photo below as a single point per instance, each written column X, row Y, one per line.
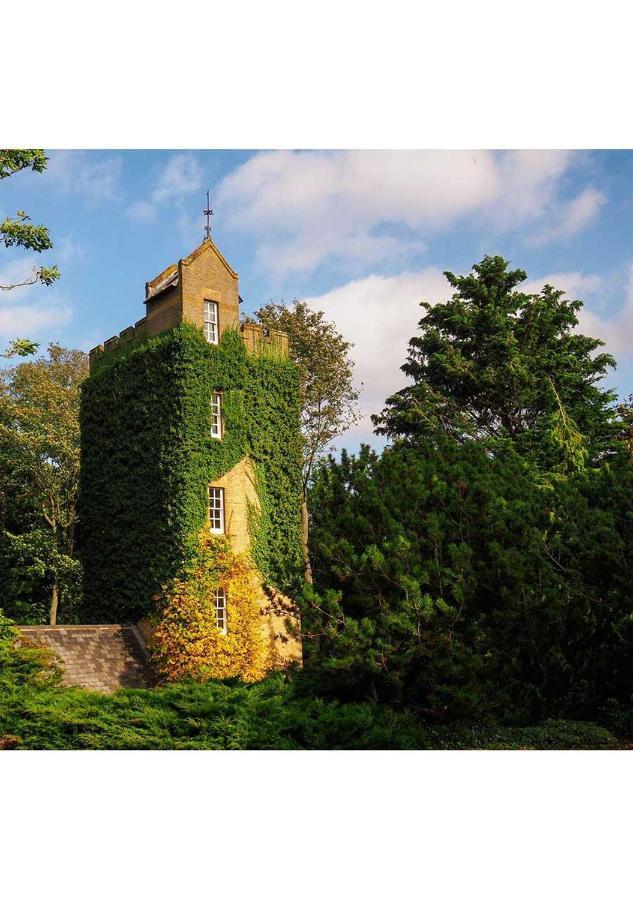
column 500, row 365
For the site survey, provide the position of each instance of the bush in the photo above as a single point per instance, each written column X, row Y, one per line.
column 276, row 714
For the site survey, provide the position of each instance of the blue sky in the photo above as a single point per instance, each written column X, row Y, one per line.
column 364, row 235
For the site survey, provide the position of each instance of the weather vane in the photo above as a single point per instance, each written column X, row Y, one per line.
column 208, row 212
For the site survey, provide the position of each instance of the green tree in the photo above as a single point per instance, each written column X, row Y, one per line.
column 500, row 365
column 20, row 232
column 413, row 550
column 452, row 579
column 39, row 468
column 328, row 396
column 481, row 564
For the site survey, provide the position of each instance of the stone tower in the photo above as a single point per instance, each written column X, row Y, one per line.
column 189, row 421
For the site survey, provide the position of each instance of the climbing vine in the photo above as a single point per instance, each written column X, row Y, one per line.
column 187, row 642
column 148, row 457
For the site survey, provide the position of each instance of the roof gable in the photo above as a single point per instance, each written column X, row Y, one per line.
column 205, row 246
column 169, row 276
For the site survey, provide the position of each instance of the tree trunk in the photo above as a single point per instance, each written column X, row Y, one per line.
column 52, row 619
column 307, row 568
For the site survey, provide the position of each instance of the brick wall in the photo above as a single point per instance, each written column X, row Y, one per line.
column 164, row 311
column 203, row 275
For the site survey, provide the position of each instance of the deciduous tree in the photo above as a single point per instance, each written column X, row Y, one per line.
column 39, row 461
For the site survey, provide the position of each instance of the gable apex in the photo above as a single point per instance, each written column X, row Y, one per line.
column 206, row 245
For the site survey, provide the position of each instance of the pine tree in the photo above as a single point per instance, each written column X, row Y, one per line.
column 499, row 365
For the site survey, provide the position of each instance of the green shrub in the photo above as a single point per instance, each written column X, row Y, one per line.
column 276, row 714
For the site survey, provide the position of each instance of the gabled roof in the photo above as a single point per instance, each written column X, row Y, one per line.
column 169, row 277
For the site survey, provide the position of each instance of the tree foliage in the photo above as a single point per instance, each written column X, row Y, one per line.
column 326, row 387
column 12, row 161
column 148, row 457
column 480, row 565
column 328, row 398
column 21, row 232
column 36, row 712
column 39, row 477
column 500, row 365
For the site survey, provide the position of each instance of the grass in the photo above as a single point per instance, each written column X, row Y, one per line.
column 37, row 713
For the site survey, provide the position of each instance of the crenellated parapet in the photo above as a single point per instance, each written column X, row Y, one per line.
column 132, row 332
column 258, row 339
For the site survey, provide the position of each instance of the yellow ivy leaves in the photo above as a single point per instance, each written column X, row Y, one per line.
column 186, row 642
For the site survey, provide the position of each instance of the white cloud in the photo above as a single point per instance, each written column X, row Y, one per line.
column 97, row 178
column 575, row 284
column 34, row 319
column 365, row 207
column 572, row 217
column 614, row 329
column 379, row 315
column 181, row 175
column 141, row 211
column 68, row 250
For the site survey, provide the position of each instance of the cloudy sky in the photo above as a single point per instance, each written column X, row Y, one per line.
column 363, row 235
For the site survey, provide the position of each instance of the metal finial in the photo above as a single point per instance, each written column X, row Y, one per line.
column 208, row 212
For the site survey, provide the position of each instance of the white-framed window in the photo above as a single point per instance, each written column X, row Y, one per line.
column 216, row 414
column 216, row 510
column 220, row 609
column 211, row 319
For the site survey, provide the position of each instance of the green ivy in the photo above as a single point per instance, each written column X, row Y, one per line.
column 148, row 457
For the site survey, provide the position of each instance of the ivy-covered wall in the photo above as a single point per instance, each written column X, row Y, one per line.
column 148, row 457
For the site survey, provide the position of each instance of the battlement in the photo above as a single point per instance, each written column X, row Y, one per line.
column 139, row 330
column 257, row 339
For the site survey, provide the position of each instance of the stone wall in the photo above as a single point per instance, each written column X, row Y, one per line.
column 98, row 657
column 240, row 494
column 206, row 275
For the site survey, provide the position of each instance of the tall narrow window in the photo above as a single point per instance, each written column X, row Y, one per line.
column 216, row 415
column 216, row 510
column 220, row 609
column 211, row 321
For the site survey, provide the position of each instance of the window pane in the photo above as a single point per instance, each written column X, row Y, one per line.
column 211, row 321
column 216, row 415
column 216, row 510
column 220, row 608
